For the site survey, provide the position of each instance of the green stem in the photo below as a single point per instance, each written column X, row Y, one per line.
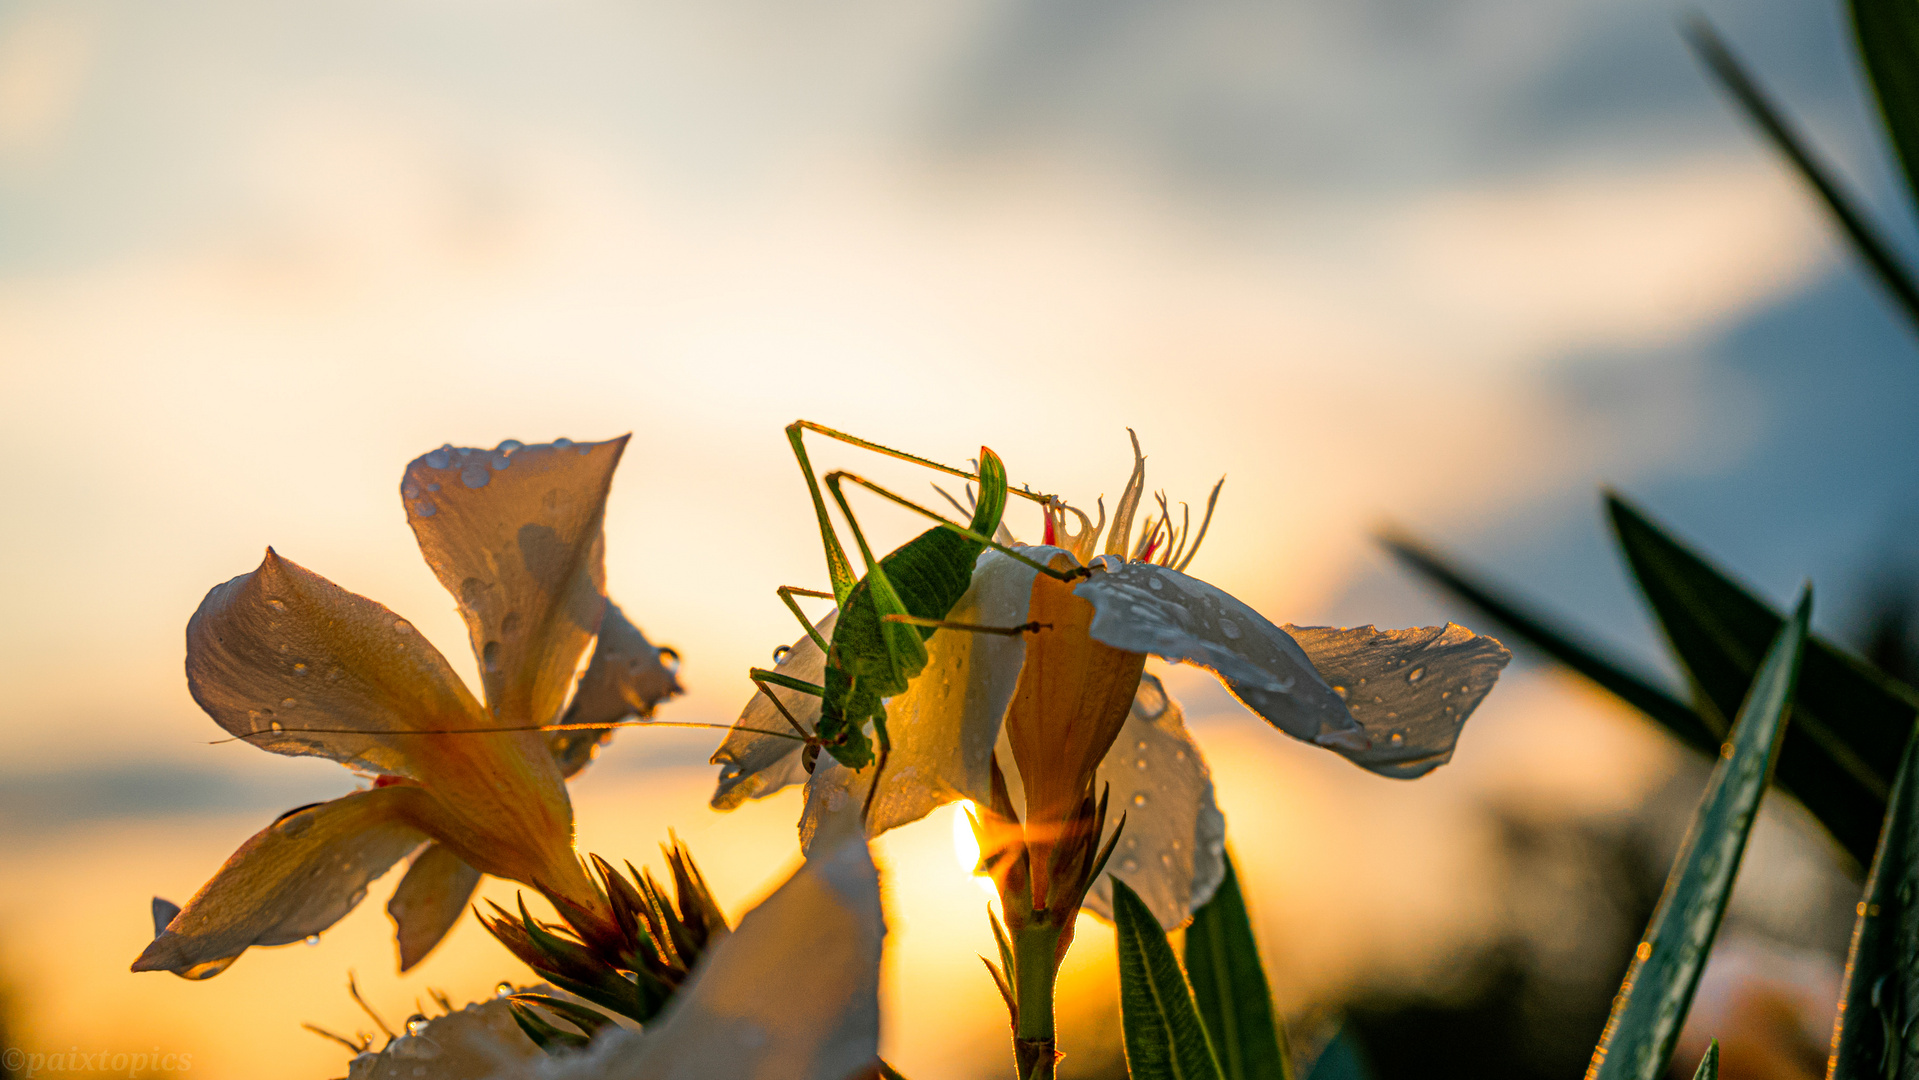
column 1035, row 968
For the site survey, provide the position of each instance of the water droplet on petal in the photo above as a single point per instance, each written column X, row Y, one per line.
column 1154, row 584
column 312, row 940
column 288, row 703
column 508, row 446
column 425, row 509
column 1415, row 674
column 276, row 726
column 1341, row 691
column 1139, row 800
column 415, row 1024
column 490, row 656
column 400, row 626
column 1140, row 746
column 1179, row 755
column 1396, row 738
column 1166, row 860
column 277, row 605
column 503, row 989
column 1229, row 628
column 439, row 459
column 1140, row 764
column 1131, row 866
column 299, row 669
column 562, row 443
column 432, row 487
column 780, row 651
column 500, row 462
column 476, row 476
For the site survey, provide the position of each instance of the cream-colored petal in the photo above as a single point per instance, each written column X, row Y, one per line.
column 625, row 678
column 1173, row 849
column 297, row 665
column 944, row 726
column 791, row 994
column 754, row 764
column 429, row 901
column 1410, row 689
column 477, row 1042
column 296, row 877
column 1157, row 609
column 514, row 534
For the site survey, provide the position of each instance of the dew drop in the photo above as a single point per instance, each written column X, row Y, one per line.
column 1140, row 764
column 476, row 476
column 1166, row 860
column 299, row 669
column 1139, row 800
column 1131, row 866
column 562, row 443
column 1179, row 755
column 510, row 624
column 780, row 651
column 440, row 459
column 1341, row 691
column 1444, row 694
column 425, row 509
column 490, row 656
column 1140, row 746
column 312, row 940
column 415, row 1024
column 1415, row 674
column 1396, row 738
column 410, row 490
column 400, row 626
column 288, row 703
column 500, row 462
column 277, row 605
column 431, row 486
column 1154, row 584
column 1230, row 629
column 503, row 990
column 276, row 726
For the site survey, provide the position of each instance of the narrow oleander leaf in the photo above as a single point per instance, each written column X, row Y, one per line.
column 1867, row 240
column 1882, row 967
column 545, row 1034
column 1888, row 35
column 1165, row 1039
column 1561, row 644
column 1708, row 1063
column 1657, row 992
column 1341, row 1060
column 1850, row 721
column 1230, row 989
column 591, row 1021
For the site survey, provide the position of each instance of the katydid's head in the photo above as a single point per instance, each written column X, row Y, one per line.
column 1160, row 541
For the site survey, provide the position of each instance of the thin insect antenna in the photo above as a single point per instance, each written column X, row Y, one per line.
column 901, row 500
column 353, row 987
column 781, row 706
column 1211, row 501
column 853, row 440
column 955, row 503
column 607, row 725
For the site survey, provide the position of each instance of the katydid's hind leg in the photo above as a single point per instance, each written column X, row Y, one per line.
column 879, row 767
column 838, row 569
column 833, row 477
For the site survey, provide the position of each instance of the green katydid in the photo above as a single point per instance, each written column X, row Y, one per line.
column 879, row 640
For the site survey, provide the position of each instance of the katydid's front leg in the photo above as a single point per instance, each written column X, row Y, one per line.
column 765, row 679
column 787, row 593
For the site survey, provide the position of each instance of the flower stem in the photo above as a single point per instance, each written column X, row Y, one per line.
column 1035, row 968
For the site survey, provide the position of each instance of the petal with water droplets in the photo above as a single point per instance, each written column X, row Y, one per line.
column 945, row 725
column 295, row 877
column 1172, row 850
column 625, row 678
column 429, row 901
column 1158, row 610
column 753, row 763
column 477, row 1041
column 522, row 552
column 740, row 1016
column 294, row 664
column 1410, row 689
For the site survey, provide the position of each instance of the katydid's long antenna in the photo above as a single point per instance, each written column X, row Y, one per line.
column 853, row 440
column 607, row 726
column 901, row 500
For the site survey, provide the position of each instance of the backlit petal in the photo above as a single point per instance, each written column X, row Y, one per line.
column 792, row 994
column 429, row 901
column 477, row 1042
column 945, row 725
column 297, row 665
column 754, row 764
column 1156, row 609
column 1172, row 851
column 296, row 877
column 515, row 536
column 1410, row 689
column 625, row 678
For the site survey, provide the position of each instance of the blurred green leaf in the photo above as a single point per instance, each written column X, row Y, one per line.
column 1658, row 988
column 1229, row 987
column 1888, row 36
column 1341, row 1060
column 1562, row 645
column 1165, row 1039
column 1708, row 1063
column 545, row 1034
column 1882, row 969
column 1851, row 721
column 589, row 1020
column 1889, row 46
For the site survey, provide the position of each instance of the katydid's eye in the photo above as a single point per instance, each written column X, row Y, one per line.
column 780, row 652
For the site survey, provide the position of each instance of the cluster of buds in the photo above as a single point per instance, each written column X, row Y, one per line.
column 632, row 974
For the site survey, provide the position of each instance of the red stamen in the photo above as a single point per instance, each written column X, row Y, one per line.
column 388, row 781
column 1049, row 539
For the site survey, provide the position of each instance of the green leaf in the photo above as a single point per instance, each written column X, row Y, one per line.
column 1888, row 36
column 545, row 1034
column 1658, row 989
column 1851, row 720
column 1165, row 1039
column 1882, row 969
column 1890, row 46
column 1708, row 1063
column 1229, row 987
column 591, row 1021
column 1562, row 645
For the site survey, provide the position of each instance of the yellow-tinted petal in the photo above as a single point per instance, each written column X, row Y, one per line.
column 791, row 994
column 477, row 1042
column 429, row 901
column 625, row 678
column 296, row 877
column 754, row 764
column 297, row 665
column 1172, row 851
column 1410, row 689
column 514, row 534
